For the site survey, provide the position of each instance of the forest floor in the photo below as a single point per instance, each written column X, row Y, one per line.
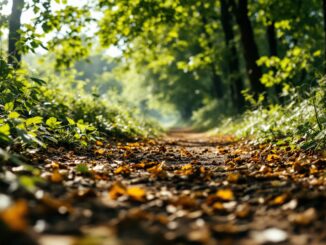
column 187, row 188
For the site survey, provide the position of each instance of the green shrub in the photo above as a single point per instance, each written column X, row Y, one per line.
column 301, row 122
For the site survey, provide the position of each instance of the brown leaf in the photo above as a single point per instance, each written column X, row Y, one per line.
column 265, row 169
column 185, row 202
column 233, row 177
column 56, row 204
column 243, row 211
column 305, row 218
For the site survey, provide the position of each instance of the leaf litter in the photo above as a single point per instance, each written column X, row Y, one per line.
column 185, row 188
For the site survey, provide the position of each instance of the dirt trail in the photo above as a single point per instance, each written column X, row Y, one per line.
column 188, row 188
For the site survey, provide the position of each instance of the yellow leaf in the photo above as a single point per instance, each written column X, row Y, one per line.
column 14, row 216
column 55, row 165
column 136, row 193
column 233, row 177
column 100, row 151
column 99, row 143
column 117, row 190
column 272, row 157
column 279, row 200
column 56, row 177
column 218, row 206
column 225, row 194
column 122, row 170
column 186, row 169
column 317, row 53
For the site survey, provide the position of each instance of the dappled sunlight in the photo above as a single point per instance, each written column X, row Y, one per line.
column 162, row 122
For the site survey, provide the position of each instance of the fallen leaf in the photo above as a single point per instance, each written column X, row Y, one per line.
column 117, row 190
column 156, row 169
column 233, row 177
column 265, row 169
column 218, row 206
column 185, row 201
column 243, row 211
column 279, row 200
column 305, row 218
column 225, row 194
column 272, row 157
column 187, row 169
column 100, row 151
column 56, row 177
column 125, row 170
column 14, row 216
column 136, row 193
column 61, row 206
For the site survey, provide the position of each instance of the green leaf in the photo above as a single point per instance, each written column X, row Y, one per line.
column 34, row 120
column 38, row 81
column 13, row 115
column 4, row 71
column 5, row 129
column 82, row 168
column 71, row 121
column 52, row 122
column 9, row 106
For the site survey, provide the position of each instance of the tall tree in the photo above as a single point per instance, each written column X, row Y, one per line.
column 250, row 49
column 235, row 80
column 14, row 57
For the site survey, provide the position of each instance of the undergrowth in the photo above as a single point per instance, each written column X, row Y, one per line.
column 35, row 113
column 301, row 122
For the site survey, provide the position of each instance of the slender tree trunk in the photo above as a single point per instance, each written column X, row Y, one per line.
column 324, row 12
column 233, row 61
column 217, row 83
column 250, row 49
column 271, row 38
column 272, row 44
column 14, row 57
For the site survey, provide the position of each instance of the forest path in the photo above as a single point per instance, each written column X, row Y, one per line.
column 187, row 188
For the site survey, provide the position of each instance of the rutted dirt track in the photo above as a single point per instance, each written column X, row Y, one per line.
column 188, row 188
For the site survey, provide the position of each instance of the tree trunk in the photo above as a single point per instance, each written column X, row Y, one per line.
column 250, row 49
column 14, row 56
column 271, row 38
column 272, row 44
column 324, row 12
column 236, row 82
column 217, row 83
